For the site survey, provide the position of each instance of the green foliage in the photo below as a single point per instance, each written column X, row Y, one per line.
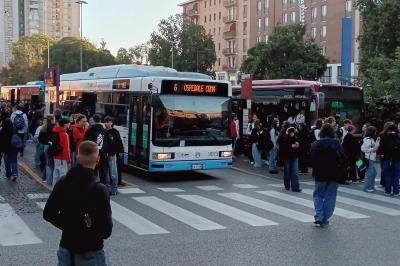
column 380, row 47
column 123, row 56
column 29, row 60
column 66, row 54
column 135, row 55
column 379, row 110
column 193, row 50
column 285, row 55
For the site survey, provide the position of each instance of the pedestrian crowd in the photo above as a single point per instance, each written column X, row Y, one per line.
column 337, row 155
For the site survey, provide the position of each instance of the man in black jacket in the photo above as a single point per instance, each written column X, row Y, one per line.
column 79, row 205
column 100, row 136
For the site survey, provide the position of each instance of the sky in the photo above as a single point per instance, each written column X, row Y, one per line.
column 124, row 23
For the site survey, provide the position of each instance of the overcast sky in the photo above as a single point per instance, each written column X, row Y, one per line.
column 124, row 23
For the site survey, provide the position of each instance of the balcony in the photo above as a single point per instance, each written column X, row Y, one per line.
column 192, row 12
column 230, row 19
column 229, row 51
column 230, row 35
column 229, row 3
column 229, row 68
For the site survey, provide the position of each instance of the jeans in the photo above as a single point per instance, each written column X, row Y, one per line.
column 11, row 164
column 324, row 197
column 382, row 181
column 291, row 174
column 60, row 170
column 370, row 174
column 37, row 152
column 103, row 171
column 272, row 159
column 91, row 258
column 23, row 138
column 391, row 176
column 119, row 169
column 256, row 155
column 73, row 159
column 113, row 170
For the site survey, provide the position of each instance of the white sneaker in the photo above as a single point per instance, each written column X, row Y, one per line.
column 370, row 190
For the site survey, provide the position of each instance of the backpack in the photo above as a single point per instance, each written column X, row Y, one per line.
column 265, row 142
column 312, row 135
column 55, row 147
column 19, row 122
column 16, row 143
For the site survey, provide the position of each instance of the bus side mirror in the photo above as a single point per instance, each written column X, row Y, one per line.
column 321, row 100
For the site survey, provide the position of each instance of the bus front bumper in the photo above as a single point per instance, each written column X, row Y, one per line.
column 170, row 166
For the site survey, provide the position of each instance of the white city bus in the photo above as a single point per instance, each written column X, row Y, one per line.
column 168, row 120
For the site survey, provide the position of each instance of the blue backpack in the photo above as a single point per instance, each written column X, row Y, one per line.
column 19, row 122
column 16, row 143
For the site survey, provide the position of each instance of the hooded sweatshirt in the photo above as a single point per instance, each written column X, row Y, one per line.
column 78, row 133
column 64, row 143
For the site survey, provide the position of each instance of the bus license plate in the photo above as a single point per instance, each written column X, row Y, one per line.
column 197, row 166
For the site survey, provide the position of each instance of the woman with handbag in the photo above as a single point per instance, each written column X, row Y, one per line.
column 369, row 147
column 254, row 141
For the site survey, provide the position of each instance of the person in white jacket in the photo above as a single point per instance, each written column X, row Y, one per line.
column 369, row 148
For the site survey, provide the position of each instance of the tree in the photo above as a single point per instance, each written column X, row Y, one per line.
column 380, row 47
column 187, row 43
column 123, row 56
column 286, row 55
column 29, row 60
column 66, row 54
column 140, row 53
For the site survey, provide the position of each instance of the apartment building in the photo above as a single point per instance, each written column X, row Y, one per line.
column 237, row 25
column 18, row 18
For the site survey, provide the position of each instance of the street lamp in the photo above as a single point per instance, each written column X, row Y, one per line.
column 81, row 3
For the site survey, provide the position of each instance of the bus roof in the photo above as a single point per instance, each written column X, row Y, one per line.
column 131, row 71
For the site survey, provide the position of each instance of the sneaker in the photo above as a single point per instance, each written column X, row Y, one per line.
column 386, row 194
column 287, row 188
column 273, row 172
column 251, row 163
column 14, row 178
column 318, row 223
column 380, row 186
column 370, row 190
column 395, row 195
column 296, row 190
column 347, row 182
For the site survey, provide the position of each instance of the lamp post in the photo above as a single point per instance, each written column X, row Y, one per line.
column 81, row 3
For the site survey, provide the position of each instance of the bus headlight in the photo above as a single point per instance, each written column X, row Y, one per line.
column 162, row 156
column 225, row 154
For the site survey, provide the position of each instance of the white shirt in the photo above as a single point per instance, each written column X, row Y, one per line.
column 300, row 119
column 273, row 136
column 237, row 128
column 316, row 133
column 369, row 147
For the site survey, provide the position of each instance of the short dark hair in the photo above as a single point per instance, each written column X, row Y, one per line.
column 63, row 121
column 327, row 131
column 80, row 117
column 96, row 118
column 347, row 121
column 108, row 119
column 371, row 132
column 319, row 122
column 330, row 119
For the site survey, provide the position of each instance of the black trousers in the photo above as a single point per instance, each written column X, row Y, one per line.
column 119, row 169
column 102, row 170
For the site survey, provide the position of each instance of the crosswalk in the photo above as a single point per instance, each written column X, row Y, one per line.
column 207, row 208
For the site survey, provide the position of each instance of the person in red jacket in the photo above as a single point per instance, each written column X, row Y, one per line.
column 78, row 133
column 62, row 161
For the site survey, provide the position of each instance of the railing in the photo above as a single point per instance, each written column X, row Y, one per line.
column 192, row 12
column 230, row 19
column 230, row 34
column 229, row 3
column 229, row 68
column 228, row 51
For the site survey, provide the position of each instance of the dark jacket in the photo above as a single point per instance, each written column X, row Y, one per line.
column 116, row 145
column 389, row 147
column 286, row 151
column 328, row 160
column 351, row 147
column 46, row 136
column 5, row 146
column 255, row 135
column 71, row 197
column 99, row 135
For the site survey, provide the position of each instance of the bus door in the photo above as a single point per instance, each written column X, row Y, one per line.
column 292, row 107
column 88, row 106
column 139, row 131
column 12, row 96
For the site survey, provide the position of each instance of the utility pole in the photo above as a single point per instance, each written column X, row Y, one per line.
column 81, row 3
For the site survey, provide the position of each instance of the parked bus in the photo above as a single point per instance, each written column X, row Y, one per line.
column 168, row 120
column 30, row 94
column 286, row 98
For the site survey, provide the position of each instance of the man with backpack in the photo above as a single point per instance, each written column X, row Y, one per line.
column 100, row 136
column 59, row 149
column 20, row 122
column 79, row 205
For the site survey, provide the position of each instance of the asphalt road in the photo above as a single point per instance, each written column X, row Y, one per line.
column 212, row 218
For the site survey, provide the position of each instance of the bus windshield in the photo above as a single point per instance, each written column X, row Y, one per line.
column 191, row 121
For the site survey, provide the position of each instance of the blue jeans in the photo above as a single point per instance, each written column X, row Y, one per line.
column 370, row 174
column 37, row 152
column 91, row 258
column 256, row 155
column 49, row 170
column 291, row 174
column 272, row 159
column 11, row 164
column 391, row 174
column 324, row 197
column 113, row 170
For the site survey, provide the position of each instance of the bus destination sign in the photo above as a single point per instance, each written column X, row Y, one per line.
column 194, row 88
column 120, row 84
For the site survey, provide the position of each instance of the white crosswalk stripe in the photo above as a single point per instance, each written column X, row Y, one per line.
column 38, row 195
column 170, row 189
column 227, row 210
column 41, row 204
column 363, row 194
column 361, row 204
column 299, row 216
column 2, row 199
column 308, row 203
column 209, row 188
column 135, row 222
column 178, row 213
column 130, row 191
column 13, row 230
column 244, row 186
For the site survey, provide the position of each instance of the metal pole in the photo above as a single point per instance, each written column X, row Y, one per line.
column 172, row 57
column 197, row 59
column 48, row 53
column 80, row 2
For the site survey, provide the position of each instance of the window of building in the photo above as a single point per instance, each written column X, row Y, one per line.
column 327, row 78
column 259, row 6
column 324, row 12
column 215, row 2
column 258, row 39
column 323, row 33
column 244, row 45
column 245, row 11
column 266, row 38
column 209, row 18
column 205, row 19
column 214, row 31
column 259, row 24
column 284, row 4
column 284, row 18
column 219, row 61
column 219, row 16
column 313, row 32
column 349, row 7
column 210, row 3
column 244, row 28
column 215, row 17
column 205, row 4
column 266, row 5
column 314, row 12
column 266, row 22
column 293, row 17
column 219, row 30
column 209, row 31
column 339, row 74
column 219, row 46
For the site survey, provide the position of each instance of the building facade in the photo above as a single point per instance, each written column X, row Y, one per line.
column 55, row 18
column 237, row 25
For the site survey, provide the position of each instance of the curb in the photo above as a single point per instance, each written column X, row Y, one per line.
column 251, row 173
column 28, row 170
